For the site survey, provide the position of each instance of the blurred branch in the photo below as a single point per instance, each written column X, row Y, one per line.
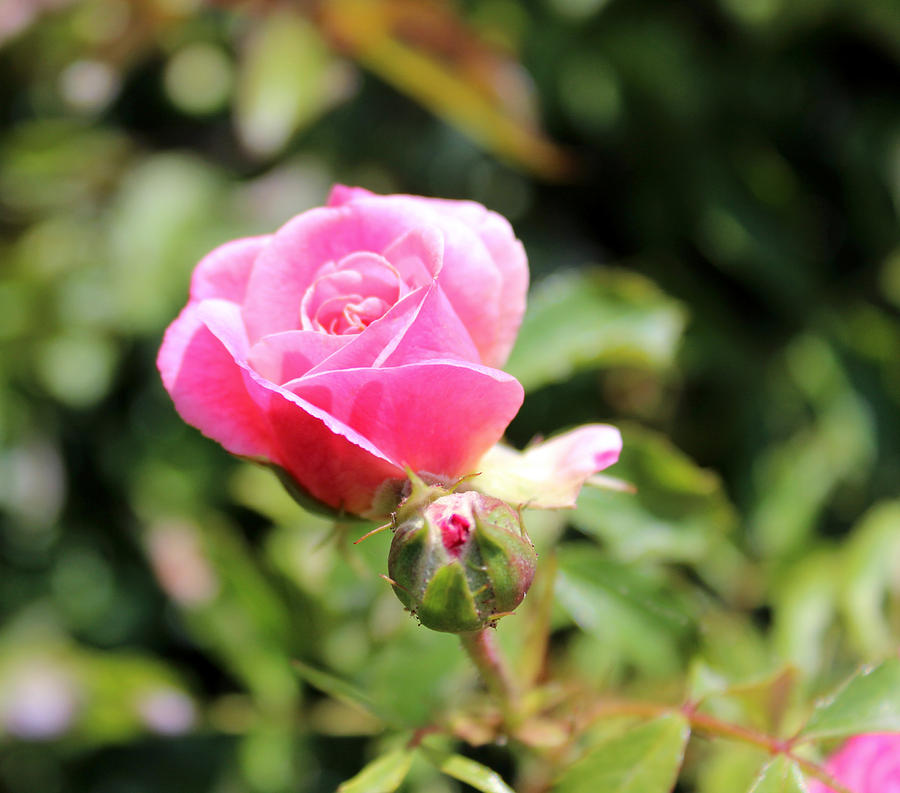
column 425, row 50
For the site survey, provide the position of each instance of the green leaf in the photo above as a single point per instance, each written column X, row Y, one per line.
column 593, row 318
column 780, row 776
column 389, row 671
column 491, row 104
column 465, row 770
column 729, row 766
column 796, row 479
column 166, row 214
column 382, row 775
column 267, row 756
column 646, row 759
column 229, row 605
column 804, row 603
column 758, row 702
column 287, row 78
column 868, row 574
column 679, row 512
column 868, row 702
column 630, row 609
column 338, row 688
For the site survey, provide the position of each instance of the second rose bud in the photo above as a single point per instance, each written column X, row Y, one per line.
column 460, row 561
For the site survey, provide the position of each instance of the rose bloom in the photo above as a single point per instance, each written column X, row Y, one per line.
column 865, row 764
column 359, row 340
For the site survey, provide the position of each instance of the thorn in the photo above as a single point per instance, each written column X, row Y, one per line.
column 462, row 479
column 500, row 614
column 392, row 582
column 372, row 533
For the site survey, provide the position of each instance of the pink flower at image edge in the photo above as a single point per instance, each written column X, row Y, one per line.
column 867, row 763
column 359, row 339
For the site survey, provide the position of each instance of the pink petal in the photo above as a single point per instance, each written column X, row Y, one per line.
column 422, row 326
column 208, row 389
column 333, row 462
column 868, row 763
column 436, row 416
column 224, row 272
column 509, row 256
column 470, row 277
column 418, row 255
column 287, row 266
column 280, row 357
column 549, row 475
column 343, row 194
column 328, row 459
column 434, row 332
column 291, row 261
column 505, row 251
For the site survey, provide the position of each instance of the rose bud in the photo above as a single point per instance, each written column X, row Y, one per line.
column 460, row 562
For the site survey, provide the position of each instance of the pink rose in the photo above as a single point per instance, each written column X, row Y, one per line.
column 865, row 764
column 358, row 340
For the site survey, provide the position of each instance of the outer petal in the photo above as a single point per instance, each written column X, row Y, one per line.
column 328, row 459
column 549, row 475
column 506, row 252
column 280, row 357
column 333, row 462
column 208, row 389
column 509, row 256
column 343, row 194
column 436, row 416
column 224, row 272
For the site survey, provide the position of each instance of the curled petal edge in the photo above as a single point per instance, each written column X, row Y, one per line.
column 548, row 475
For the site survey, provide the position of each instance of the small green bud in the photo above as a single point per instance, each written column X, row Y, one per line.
column 460, row 561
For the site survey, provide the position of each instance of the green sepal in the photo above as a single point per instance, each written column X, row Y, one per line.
column 406, row 562
column 507, row 560
column 448, row 604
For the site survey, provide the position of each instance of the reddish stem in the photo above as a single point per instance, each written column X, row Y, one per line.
column 482, row 649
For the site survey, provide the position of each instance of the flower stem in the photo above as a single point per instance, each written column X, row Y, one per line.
column 485, row 654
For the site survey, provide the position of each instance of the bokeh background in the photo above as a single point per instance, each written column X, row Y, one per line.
column 708, row 192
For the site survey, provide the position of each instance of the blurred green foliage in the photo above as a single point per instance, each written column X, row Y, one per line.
column 718, row 272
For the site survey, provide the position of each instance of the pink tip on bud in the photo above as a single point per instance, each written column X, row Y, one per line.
column 455, row 531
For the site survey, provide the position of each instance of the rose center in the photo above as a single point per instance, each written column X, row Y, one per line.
column 346, row 296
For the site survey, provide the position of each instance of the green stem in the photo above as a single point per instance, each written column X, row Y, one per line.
column 485, row 654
